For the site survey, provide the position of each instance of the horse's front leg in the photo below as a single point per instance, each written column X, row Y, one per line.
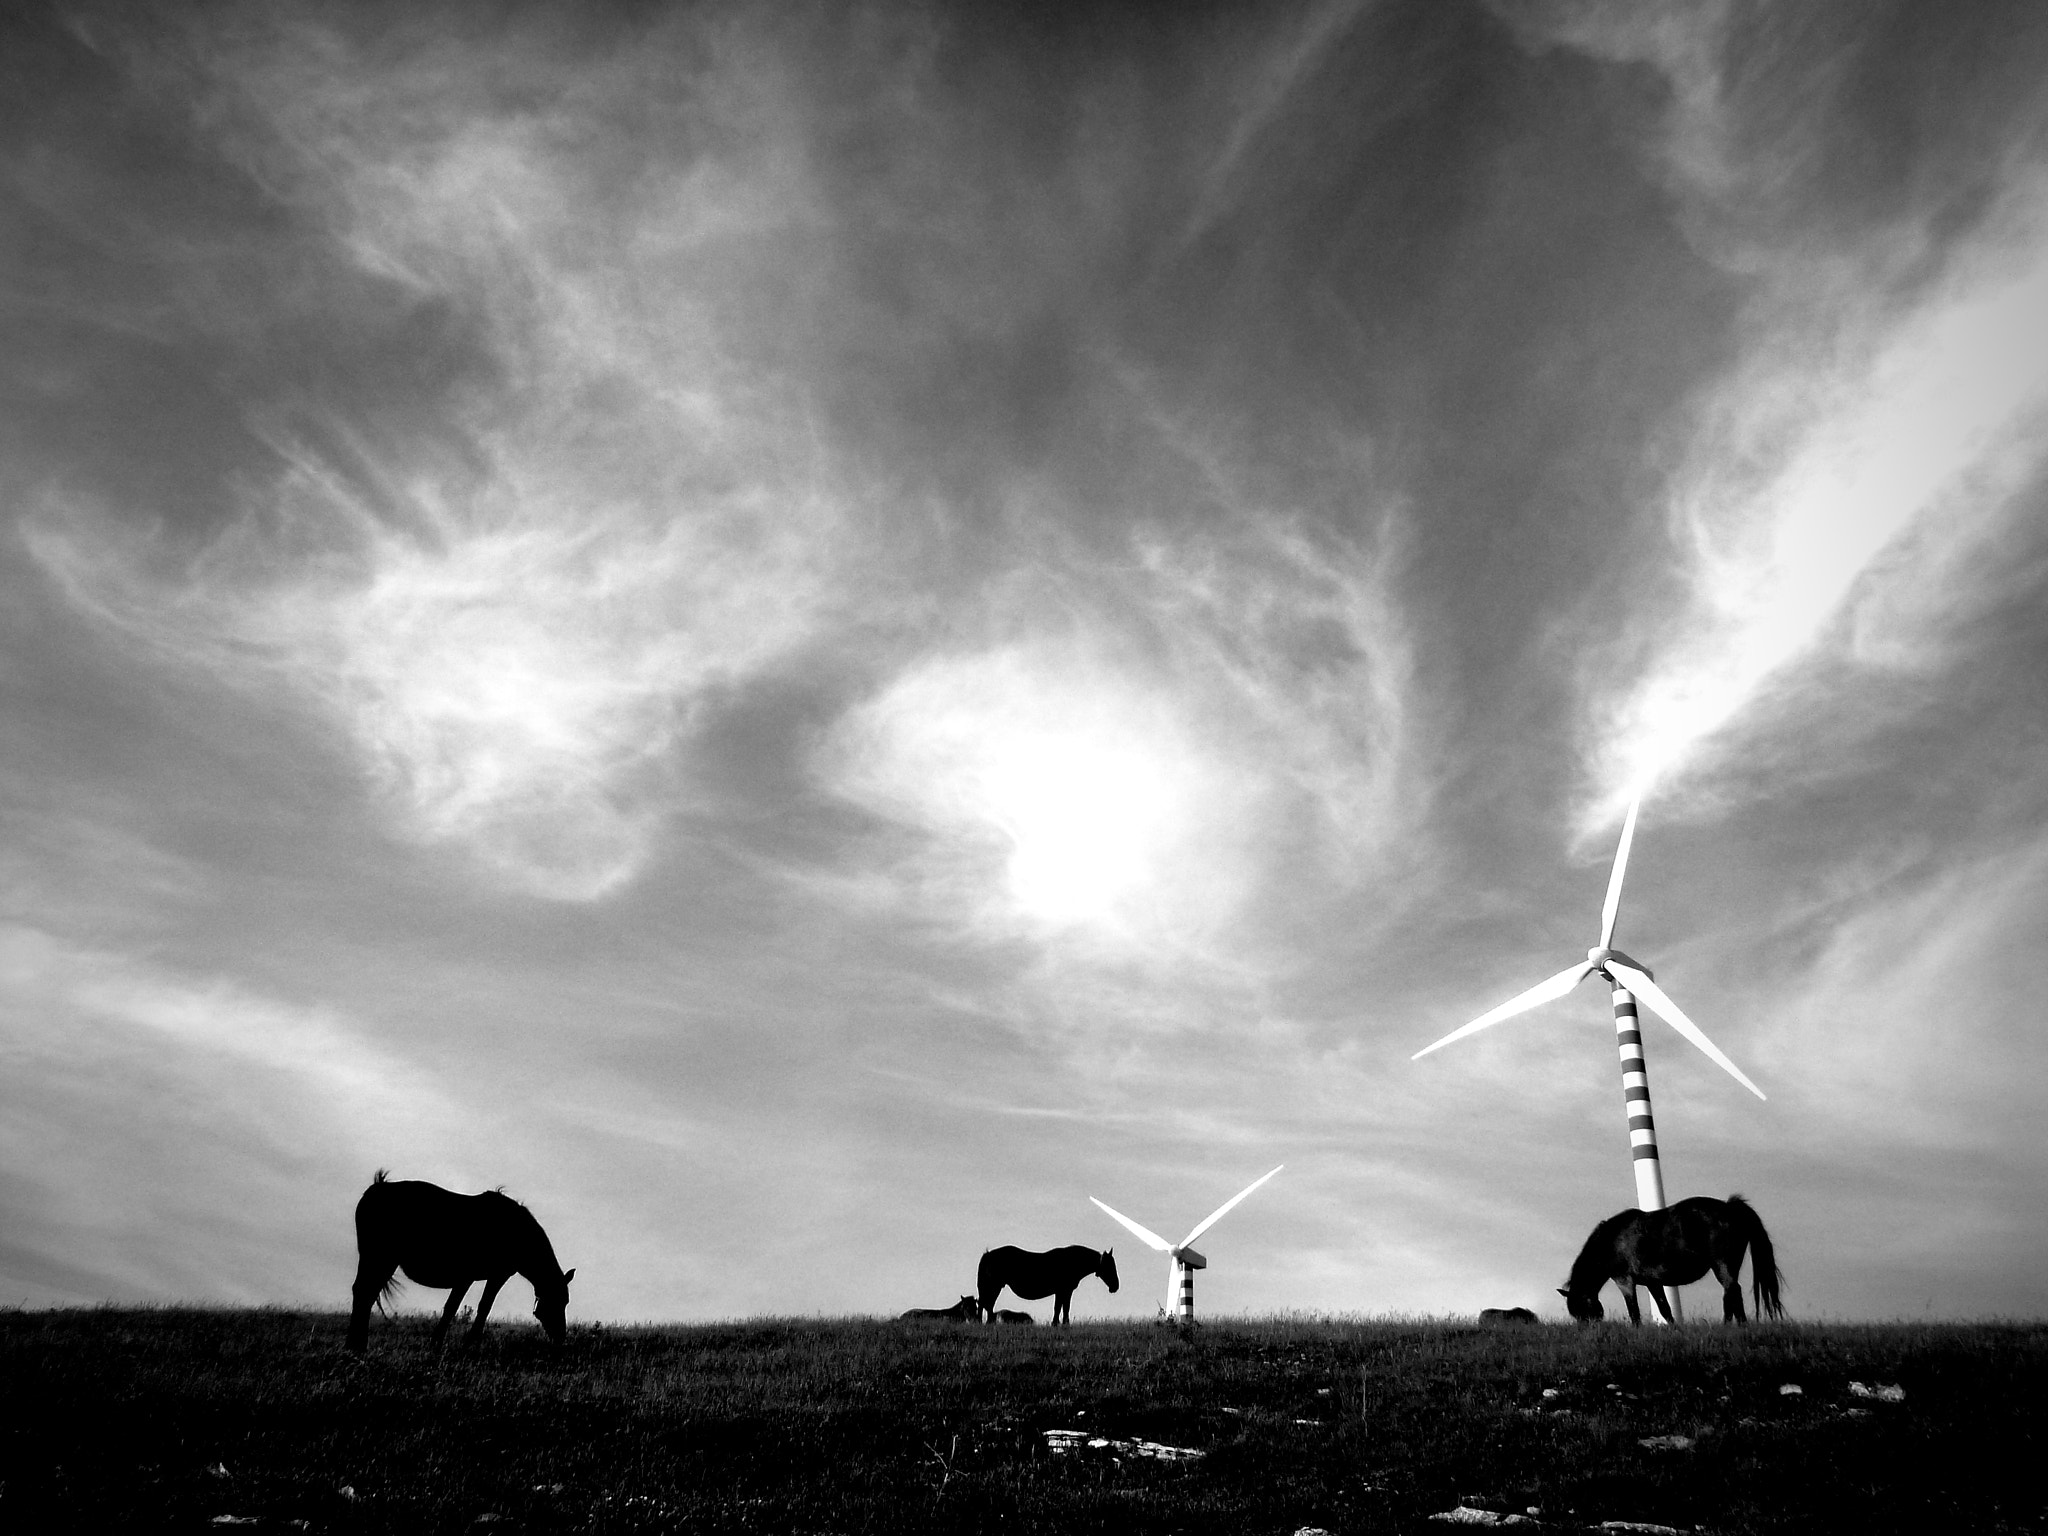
column 483, row 1306
column 448, row 1312
column 1663, row 1303
column 1062, row 1306
column 1628, row 1296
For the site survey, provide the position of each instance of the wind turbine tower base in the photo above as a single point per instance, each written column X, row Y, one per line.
column 1642, row 1125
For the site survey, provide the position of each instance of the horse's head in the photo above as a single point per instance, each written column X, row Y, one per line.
column 551, row 1305
column 1105, row 1270
column 1584, row 1306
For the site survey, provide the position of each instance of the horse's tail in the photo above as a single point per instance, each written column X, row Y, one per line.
column 365, row 1242
column 1764, row 1278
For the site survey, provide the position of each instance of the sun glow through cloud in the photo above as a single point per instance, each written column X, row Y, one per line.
column 1088, row 815
column 1084, row 790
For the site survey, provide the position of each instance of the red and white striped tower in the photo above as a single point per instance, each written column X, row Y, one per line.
column 1642, row 1125
column 1635, row 1094
column 1180, row 1299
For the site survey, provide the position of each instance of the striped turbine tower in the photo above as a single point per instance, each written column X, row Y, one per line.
column 1181, row 1260
column 1630, row 979
column 1635, row 1096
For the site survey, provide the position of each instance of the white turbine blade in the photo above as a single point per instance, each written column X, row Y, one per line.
column 1535, row 997
column 1612, row 909
column 1216, row 1215
column 1149, row 1238
column 1639, row 982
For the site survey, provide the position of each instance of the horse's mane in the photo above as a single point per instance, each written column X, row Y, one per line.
column 520, row 1206
column 1589, row 1269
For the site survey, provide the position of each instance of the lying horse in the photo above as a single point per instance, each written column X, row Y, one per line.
column 1013, row 1317
column 442, row 1239
column 1676, row 1247
column 1034, row 1276
column 962, row 1311
column 1507, row 1315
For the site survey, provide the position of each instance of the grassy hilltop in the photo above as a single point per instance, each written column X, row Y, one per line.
column 171, row 1419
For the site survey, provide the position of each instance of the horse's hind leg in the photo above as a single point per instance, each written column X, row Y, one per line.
column 372, row 1276
column 1731, row 1293
column 455, row 1296
column 1062, row 1306
column 1663, row 1303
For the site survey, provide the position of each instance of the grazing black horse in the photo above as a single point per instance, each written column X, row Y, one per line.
column 1034, row 1276
column 440, row 1238
column 1676, row 1247
column 962, row 1311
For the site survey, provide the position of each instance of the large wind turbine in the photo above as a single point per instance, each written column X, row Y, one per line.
column 1181, row 1260
column 1630, row 979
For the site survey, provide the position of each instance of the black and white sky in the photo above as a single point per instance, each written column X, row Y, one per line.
column 807, row 634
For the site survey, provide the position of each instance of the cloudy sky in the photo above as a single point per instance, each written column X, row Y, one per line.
column 808, row 634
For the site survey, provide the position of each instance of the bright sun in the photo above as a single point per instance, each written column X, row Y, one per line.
column 1087, row 816
column 1092, row 782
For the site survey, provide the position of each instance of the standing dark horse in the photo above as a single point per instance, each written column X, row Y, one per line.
column 1676, row 1247
column 442, row 1239
column 1034, row 1276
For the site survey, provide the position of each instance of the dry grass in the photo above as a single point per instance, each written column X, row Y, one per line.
column 163, row 1419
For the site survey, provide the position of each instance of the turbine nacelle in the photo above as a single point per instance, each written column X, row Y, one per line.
column 1190, row 1258
column 1599, row 955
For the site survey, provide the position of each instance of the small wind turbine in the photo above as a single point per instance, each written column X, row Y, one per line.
column 1630, row 979
column 1182, row 1261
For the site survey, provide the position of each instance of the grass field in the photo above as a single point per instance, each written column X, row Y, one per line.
column 177, row 1419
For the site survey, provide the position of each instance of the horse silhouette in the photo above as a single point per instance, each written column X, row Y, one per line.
column 962, row 1311
column 1034, row 1276
column 445, row 1240
column 1676, row 1247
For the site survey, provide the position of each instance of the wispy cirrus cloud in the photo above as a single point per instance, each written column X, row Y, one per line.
column 1825, row 498
column 515, row 691
column 1841, row 486
column 511, row 598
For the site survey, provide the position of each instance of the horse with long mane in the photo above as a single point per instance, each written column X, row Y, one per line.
column 445, row 1240
column 1034, row 1276
column 1676, row 1246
